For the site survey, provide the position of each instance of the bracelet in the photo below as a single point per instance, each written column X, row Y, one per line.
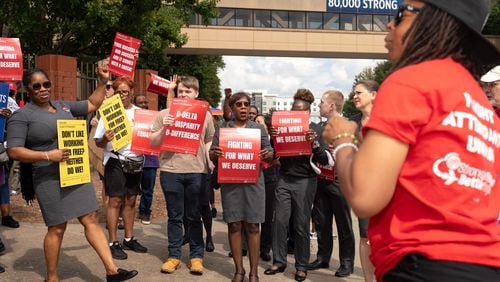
column 346, row 135
column 47, row 156
column 341, row 146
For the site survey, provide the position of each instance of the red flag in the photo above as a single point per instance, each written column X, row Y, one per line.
column 124, row 55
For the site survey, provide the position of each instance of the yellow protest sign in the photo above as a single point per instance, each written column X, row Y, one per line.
column 115, row 118
column 72, row 135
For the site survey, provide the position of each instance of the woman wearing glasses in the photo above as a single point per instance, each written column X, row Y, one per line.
column 121, row 187
column 32, row 138
column 243, row 204
column 427, row 171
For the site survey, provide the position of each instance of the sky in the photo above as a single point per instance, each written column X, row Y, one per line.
column 284, row 75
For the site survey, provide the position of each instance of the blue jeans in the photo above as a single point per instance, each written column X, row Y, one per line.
column 182, row 194
column 147, row 184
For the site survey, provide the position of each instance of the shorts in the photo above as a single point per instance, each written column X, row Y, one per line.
column 117, row 183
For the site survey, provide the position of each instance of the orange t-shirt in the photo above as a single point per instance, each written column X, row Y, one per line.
column 446, row 204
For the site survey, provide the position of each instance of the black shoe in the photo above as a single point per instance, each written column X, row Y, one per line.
column 214, row 212
column 120, row 226
column 209, row 246
column 185, row 240
column 2, row 269
column 117, row 251
column 272, row 271
column 300, row 277
column 344, row 270
column 265, row 256
column 122, row 275
column 9, row 221
column 317, row 264
column 2, row 246
column 134, row 246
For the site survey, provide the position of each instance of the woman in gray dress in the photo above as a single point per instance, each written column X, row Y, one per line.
column 32, row 138
column 243, row 204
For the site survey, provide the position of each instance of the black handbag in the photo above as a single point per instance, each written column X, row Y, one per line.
column 131, row 163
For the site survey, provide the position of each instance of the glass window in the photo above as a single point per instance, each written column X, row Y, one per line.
column 274, row 103
column 279, row 19
column 262, row 18
column 380, row 22
column 226, row 17
column 347, row 22
column 314, row 20
column 331, row 21
column 193, row 19
column 297, row 19
column 364, row 22
column 243, row 17
column 264, row 103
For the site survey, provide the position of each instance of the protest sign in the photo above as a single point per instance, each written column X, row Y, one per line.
column 292, row 127
column 124, row 55
column 115, row 118
column 11, row 59
column 4, row 96
column 185, row 134
column 327, row 172
column 158, row 85
column 241, row 155
column 143, row 119
column 72, row 135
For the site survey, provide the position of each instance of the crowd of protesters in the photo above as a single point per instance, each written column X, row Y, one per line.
column 427, row 199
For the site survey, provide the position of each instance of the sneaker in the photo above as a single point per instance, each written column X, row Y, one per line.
column 122, row 275
column 120, row 224
column 146, row 219
column 9, row 221
column 313, row 235
column 195, row 266
column 214, row 212
column 170, row 265
column 134, row 246
column 117, row 251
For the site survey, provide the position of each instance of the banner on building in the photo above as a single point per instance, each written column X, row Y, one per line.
column 158, row 85
column 241, row 155
column 115, row 118
column 292, row 127
column 124, row 55
column 72, row 136
column 11, row 59
column 143, row 119
column 388, row 7
column 185, row 134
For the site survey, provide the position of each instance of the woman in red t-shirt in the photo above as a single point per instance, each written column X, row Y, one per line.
column 426, row 173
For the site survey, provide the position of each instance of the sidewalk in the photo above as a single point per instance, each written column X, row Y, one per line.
column 23, row 258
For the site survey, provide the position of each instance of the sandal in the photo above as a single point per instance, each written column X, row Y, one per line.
column 238, row 277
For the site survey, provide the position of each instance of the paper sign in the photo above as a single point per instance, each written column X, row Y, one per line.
column 124, row 55
column 185, row 134
column 241, row 155
column 11, row 59
column 72, row 135
column 327, row 172
column 115, row 118
column 143, row 119
column 292, row 127
column 4, row 96
column 158, row 85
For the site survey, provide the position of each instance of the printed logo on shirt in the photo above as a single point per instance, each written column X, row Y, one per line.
column 452, row 170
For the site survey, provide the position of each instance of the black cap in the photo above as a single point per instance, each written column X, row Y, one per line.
column 474, row 14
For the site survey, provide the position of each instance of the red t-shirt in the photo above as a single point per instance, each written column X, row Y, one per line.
column 447, row 200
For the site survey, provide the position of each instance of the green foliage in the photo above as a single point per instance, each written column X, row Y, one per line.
column 493, row 25
column 377, row 73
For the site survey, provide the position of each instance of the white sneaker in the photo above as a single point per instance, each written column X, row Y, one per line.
column 313, row 235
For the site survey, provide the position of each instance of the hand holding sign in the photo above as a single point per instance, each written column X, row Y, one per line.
column 58, row 155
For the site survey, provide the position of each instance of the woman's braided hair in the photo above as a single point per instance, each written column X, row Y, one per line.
column 435, row 34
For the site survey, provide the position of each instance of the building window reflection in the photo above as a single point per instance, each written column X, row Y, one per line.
column 279, row 19
column 297, row 19
column 347, row 22
column 380, row 22
column 226, row 17
column 364, row 22
column 331, row 21
column 262, row 18
column 244, row 17
column 314, row 20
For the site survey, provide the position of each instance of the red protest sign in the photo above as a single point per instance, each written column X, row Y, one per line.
column 185, row 134
column 124, row 55
column 327, row 172
column 143, row 119
column 292, row 127
column 11, row 59
column 241, row 155
column 158, row 85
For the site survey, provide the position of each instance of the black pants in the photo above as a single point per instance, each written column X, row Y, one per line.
column 266, row 236
column 416, row 267
column 330, row 202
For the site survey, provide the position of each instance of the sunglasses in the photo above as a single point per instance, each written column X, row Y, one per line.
column 398, row 17
column 122, row 92
column 37, row 86
column 242, row 104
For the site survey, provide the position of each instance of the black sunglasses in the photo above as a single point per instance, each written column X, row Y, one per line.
column 398, row 17
column 37, row 86
column 242, row 104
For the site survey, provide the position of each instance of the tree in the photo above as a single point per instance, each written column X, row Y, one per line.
column 377, row 73
column 493, row 24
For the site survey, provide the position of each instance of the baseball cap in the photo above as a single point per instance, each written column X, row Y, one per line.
column 492, row 75
column 473, row 14
column 12, row 86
